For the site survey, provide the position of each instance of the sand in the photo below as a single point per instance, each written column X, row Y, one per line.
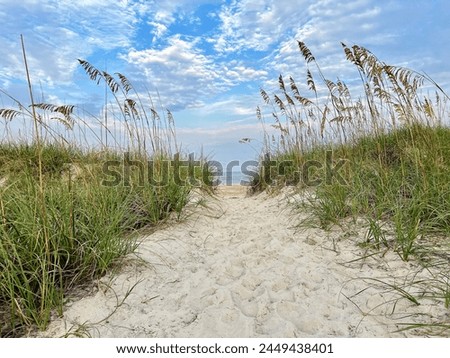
column 240, row 268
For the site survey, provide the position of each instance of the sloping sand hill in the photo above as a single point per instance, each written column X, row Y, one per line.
column 240, row 268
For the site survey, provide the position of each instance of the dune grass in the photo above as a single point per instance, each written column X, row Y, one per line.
column 383, row 156
column 71, row 207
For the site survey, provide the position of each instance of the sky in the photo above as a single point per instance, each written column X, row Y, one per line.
column 206, row 60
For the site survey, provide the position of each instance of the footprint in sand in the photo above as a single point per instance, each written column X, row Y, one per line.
column 280, row 291
column 230, row 273
column 245, row 302
column 244, row 295
column 306, row 321
column 251, row 282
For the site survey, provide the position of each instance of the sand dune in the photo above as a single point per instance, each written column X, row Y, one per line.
column 239, row 268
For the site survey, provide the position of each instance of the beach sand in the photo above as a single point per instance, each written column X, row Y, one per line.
column 240, row 268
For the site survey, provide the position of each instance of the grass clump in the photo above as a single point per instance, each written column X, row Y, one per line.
column 85, row 229
column 383, row 156
column 69, row 210
column 80, row 236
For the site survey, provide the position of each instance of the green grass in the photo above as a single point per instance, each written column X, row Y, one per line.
column 86, row 227
column 385, row 155
column 401, row 177
column 390, row 147
column 70, row 209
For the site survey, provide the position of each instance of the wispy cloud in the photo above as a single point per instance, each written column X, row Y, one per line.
column 185, row 75
column 257, row 25
column 59, row 32
column 179, row 71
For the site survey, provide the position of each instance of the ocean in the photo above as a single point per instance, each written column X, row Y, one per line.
column 234, row 178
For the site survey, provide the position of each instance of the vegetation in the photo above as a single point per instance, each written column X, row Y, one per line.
column 70, row 207
column 383, row 156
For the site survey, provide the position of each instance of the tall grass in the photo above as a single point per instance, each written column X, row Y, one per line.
column 62, row 222
column 392, row 141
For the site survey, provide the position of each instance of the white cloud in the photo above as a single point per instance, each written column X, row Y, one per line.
column 274, row 26
column 159, row 29
column 242, row 107
column 164, row 16
column 57, row 33
column 257, row 25
column 242, row 73
column 185, row 76
column 179, row 71
column 226, row 132
column 321, row 24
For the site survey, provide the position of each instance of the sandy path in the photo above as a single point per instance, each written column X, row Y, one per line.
column 239, row 269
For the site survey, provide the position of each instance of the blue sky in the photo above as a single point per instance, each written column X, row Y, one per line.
column 208, row 59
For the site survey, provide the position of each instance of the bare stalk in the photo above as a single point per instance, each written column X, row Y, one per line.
column 41, row 181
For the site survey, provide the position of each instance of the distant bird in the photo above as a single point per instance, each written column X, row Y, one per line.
column 245, row 140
